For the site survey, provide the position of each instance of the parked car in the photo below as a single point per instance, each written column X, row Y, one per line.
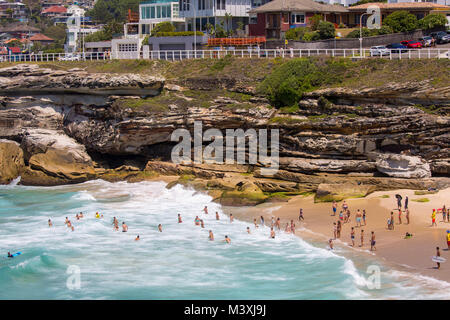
column 397, row 48
column 412, row 44
column 440, row 37
column 426, row 41
column 379, row 51
column 70, row 57
column 445, row 55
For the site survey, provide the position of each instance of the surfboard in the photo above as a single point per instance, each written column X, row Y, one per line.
column 438, row 259
column 15, row 254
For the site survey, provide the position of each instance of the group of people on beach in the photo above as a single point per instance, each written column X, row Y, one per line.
column 344, row 217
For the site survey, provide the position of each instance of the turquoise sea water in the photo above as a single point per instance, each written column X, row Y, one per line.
column 180, row 262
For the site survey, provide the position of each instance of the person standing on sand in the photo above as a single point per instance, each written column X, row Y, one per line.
column 364, row 216
column 392, row 221
column 277, row 223
column 205, row 210
column 438, row 254
column 448, row 239
column 338, row 229
column 352, row 236
column 334, row 230
column 362, row 237
column 300, row 215
column 448, row 215
column 334, row 208
column 444, row 212
column 407, row 216
column 372, row 242
column 344, row 206
column 358, row 218
column 400, row 216
column 231, row 218
column 433, row 218
column 341, row 216
column 406, row 202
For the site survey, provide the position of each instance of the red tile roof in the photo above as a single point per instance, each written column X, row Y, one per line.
column 401, row 5
column 40, row 37
column 55, row 9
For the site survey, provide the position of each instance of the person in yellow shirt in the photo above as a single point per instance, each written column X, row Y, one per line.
column 97, row 215
column 448, row 239
column 433, row 218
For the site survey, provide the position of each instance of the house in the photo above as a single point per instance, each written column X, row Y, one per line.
column 229, row 13
column 54, row 11
column 274, row 18
column 13, row 10
column 419, row 9
column 19, row 30
column 42, row 39
column 75, row 34
column 155, row 11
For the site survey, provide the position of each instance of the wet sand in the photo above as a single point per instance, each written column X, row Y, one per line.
column 412, row 254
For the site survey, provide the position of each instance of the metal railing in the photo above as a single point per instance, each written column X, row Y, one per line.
column 176, row 55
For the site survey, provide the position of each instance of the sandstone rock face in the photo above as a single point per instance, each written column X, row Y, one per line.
column 326, row 165
column 31, row 78
column 11, row 161
column 328, row 192
column 57, row 156
column 401, row 166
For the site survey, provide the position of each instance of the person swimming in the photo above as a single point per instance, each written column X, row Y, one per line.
column 272, row 233
column 197, row 221
column 50, row 223
column 211, row 236
column 248, row 230
column 160, row 227
column 97, row 215
column 231, row 218
column 179, row 218
column 81, row 215
column 227, row 240
column 124, row 227
column 137, row 238
column 10, row 255
column 67, row 220
column 77, row 216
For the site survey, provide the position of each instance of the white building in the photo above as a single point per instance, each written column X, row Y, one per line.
column 75, row 38
column 155, row 11
column 226, row 12
column 444, row 2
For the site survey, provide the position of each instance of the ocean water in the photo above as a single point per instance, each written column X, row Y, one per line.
column 180, row 262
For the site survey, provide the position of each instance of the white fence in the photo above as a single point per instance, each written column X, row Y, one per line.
column 174, row 55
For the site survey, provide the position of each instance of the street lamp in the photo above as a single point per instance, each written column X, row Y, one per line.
column 360, row 34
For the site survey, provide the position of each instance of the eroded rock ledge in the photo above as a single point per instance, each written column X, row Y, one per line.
column 62, row 127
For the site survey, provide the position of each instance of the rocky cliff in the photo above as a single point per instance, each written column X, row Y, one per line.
column 61, row 127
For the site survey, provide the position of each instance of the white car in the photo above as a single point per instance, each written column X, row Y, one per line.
column 379, row 51
column 445, row 55
column 70, row 57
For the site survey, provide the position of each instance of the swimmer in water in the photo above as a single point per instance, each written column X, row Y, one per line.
column 231, row 218
column 255, row 223
column 124, row 227
column 50, row 223
column 73, row 228
column 248, row 230
column 179, row 218
column 67, row 220
column 202, row 224
column 10, row 255
column 97, row 215
column 81, row 215
column 137, row 238
column 227, row 240
column 77, row 216
column 205, row 210
column 211, row 236
column 69, row 224
column 330, row 243
column 217, row 216
column 160, row 227
column 272, row 233
column 287, row 229
column 197, row 221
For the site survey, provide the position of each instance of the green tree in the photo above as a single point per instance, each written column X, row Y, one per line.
column 314, row 21
column 108, row 10
column 401, row 21
column 326, row 30
column 107, row 33
column 432, row 21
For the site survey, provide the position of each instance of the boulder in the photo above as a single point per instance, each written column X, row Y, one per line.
column 338, row 192
column 403, row 166
column 56, row 155
column 11, row 161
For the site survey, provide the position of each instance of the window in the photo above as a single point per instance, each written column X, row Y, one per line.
column 152, row 13
column 163, row 12
column 184, row 5
column 220, row 4
column 127, row 47
column 175, row 10
column 158, row 12
column 298, row 18
column 253, row 19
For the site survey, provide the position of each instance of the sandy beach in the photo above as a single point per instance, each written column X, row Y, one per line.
column 413, row 254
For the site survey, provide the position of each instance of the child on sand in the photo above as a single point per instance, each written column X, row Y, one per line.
column 399, row 216
column 300, row 215
column 407, row 216
column 372, row 242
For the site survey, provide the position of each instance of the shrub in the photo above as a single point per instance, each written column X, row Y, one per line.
column 432, row 21
column 296, row 33
column 165, row 26
column 355, row 33
column 384, row 30
column 342, row 26
column 326, row 30
column 314, row 21
column 311, row 36
column 401, row 21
